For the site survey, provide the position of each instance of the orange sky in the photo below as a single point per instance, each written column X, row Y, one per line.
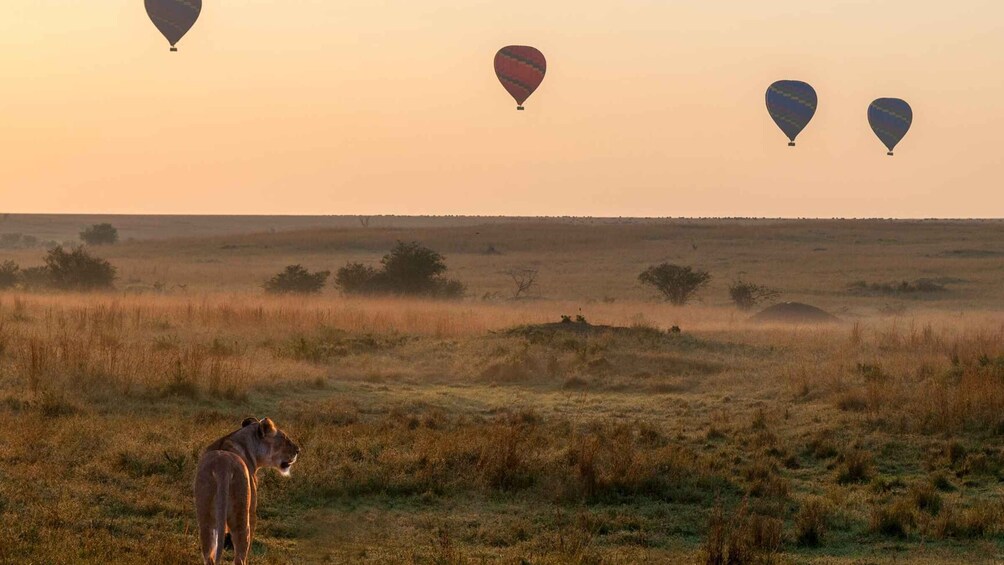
column 649, row 108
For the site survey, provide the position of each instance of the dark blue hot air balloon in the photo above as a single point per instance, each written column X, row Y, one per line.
column 791, row 104
column 890, row 119
column 173, row 17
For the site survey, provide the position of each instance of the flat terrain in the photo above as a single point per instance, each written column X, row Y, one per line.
column 479, row 430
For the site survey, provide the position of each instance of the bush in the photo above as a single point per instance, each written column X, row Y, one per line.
column 100, row 234
column 10, row 274
column 10, row 240
column 356, row 278
column 297, row 280
column 409, row 269
column 677, row 284
column 35, row 278
column 78, row 270
column 746, row 295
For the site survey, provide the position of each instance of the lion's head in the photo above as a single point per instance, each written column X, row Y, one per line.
column 275, row 448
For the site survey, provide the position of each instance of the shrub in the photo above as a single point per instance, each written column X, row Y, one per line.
column 409, row 269
column 356, row 278
column 677, row 284
column 295, row 279
column 10, row 240
column 10, row 274
column 100, row 234
column 35, row 278
column 746, row 295
column 78, row 270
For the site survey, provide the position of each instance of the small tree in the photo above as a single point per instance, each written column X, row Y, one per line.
column 677, row 284
column 412, row 268
column 523, row 280
column 10, row 274
column 746, row 295
column 356, row 278
column 100, row 234
column 409, row 269
column 297, row 280
column 78, row 270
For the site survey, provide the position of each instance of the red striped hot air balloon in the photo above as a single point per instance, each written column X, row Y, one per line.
column 520, row 70
column 174, row 17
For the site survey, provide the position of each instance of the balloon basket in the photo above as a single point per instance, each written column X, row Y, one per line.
column 174, row 50
column 791, row 144
column 889, row 153
column 520, row 108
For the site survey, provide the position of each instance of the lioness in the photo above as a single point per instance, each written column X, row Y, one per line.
column 226, row 485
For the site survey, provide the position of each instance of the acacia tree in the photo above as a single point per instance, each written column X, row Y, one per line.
column 100, row 234
column 523, row 280
column 677, row 284
column 745, row 295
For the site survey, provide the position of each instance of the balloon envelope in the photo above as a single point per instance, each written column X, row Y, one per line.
column 890, row 119
column 520, row 70
column 174, row 17
column 791, row 104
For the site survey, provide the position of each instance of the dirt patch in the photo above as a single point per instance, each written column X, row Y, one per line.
column 794, row 313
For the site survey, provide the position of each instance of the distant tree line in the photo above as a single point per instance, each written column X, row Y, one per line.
column 73, row 270
column 679, row 285
column 409, row 269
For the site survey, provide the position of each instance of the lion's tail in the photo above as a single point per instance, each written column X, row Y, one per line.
column 222, row 488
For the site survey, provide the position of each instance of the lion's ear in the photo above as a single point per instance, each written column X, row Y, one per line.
column 248, row 422
column 266, row 427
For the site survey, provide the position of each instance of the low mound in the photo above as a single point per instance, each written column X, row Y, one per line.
column 794, row 313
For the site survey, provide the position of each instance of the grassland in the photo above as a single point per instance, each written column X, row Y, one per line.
column 471, row 431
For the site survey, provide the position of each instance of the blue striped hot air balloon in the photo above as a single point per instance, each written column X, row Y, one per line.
column 174, row 17
column 890, row 119
column 791, row 104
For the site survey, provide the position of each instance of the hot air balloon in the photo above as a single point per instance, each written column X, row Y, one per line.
column 890, row 119
column 791, row 104
column 520, row 70
column 174, row 17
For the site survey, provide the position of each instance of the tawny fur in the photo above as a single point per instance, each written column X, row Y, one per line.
column 226, row 485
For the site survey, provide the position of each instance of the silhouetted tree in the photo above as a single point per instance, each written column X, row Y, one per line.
column 746, row 295
column 295, row 279
column 356, row 278
column 100, row 234
column 10, row 274
column 409, row 269
column 677, row 284
column 78, row 270
column 523, row 280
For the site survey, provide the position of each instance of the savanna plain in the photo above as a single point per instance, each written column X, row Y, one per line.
column 483, row 429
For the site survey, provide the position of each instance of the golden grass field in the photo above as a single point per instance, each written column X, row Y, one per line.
column 467, row 432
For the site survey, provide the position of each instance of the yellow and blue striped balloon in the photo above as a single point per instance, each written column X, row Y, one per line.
column 791, row 104
column 174, row 17
column 890, row 119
